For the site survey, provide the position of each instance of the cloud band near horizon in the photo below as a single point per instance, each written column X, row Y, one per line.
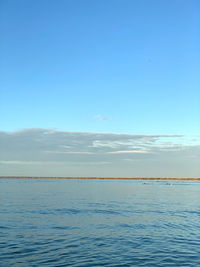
column 49, row 152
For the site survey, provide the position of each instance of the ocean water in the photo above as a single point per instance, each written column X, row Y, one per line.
column 99, row 223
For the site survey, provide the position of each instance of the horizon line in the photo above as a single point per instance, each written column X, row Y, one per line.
column 100, row 178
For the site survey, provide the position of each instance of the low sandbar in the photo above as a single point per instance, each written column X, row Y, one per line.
column 101, row 178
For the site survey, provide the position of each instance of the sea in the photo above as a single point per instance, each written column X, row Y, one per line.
column 54, row 222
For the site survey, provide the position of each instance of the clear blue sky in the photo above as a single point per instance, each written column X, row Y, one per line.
column 128, row 66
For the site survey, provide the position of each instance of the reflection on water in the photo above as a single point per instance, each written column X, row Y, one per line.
column 99, row 223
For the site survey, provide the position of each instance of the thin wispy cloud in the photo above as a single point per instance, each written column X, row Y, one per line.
column 70, row 152
column 129, row 152
column 101, row 118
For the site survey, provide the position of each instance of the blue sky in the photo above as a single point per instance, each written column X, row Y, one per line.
column 136, row 63
column 125, row 67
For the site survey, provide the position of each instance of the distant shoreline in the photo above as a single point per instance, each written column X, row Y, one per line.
column 100, row 178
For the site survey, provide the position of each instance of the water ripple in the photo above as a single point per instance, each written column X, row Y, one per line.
column 128, row 225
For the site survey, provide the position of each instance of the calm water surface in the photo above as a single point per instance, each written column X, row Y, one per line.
column 99, row 223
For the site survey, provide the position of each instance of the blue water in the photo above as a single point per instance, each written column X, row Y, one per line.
column 99, row 223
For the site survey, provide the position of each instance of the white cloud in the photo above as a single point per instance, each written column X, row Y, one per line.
column 129, row 152
column 101, row 118
column 70, row 152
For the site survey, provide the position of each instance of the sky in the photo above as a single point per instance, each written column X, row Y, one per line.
column 100, row 88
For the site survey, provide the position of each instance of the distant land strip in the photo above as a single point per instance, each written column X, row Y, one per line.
column 99, row 178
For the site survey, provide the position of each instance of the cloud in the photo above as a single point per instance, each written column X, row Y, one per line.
column 101, row 118
column 70, row 152
column 15, row 162
column 50, row 151
column 24, row 162
column 129, row 152
column 48, row 144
